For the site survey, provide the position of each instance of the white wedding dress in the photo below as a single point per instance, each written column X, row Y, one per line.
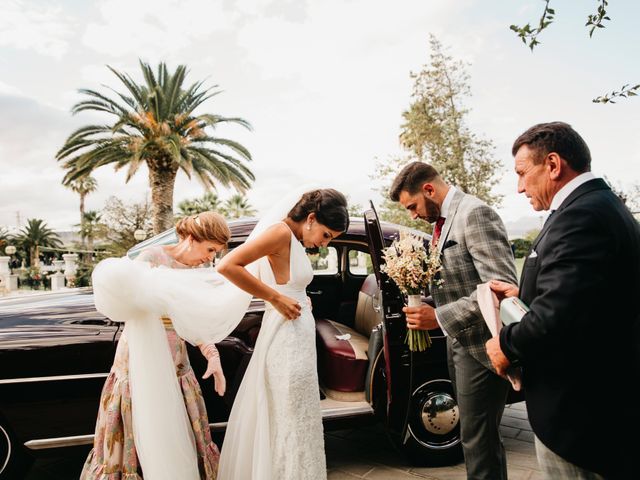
column 275, row 428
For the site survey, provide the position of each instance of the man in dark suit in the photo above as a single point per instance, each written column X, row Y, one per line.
column 578, row 345
column 474, row 246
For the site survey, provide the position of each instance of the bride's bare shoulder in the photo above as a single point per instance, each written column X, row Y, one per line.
column 280, row 231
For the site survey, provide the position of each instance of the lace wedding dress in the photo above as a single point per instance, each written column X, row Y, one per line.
column 275, row 428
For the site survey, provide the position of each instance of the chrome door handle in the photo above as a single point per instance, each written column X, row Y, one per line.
column 316, row 292
column 376, row 302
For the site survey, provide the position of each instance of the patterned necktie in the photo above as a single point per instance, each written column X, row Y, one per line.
column 437, row 230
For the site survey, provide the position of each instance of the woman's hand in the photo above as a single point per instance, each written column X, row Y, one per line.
column 503, row 289
column 288, row 307
column 214, row 367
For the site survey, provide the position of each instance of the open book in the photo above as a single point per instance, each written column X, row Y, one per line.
column 495, row 314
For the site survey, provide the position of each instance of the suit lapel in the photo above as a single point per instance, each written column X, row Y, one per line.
column 448, row 221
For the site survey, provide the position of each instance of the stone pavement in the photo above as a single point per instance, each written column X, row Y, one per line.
column 366, row 453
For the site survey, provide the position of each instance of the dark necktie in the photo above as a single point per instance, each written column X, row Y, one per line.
column 437, row 230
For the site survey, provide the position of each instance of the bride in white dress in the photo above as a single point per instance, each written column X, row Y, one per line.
column 275, row 427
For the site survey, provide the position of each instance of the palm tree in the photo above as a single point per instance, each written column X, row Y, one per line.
column 35, row 235
column 154, row 123
column 91, row 227
column 238, row 206
column 208, row 202
column 83, row 186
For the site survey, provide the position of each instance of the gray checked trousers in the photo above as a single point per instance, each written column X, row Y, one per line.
column 481, row 396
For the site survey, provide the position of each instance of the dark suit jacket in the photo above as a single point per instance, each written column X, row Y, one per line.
column 579, row 345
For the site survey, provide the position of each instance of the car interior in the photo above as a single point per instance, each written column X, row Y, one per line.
column 344, row 293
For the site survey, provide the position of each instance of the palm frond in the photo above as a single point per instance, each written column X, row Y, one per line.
column 235, row 146
column 213, row 120
column 134, row 89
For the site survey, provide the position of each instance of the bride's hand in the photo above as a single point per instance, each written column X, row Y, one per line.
column 288, row 307
column 214, row 367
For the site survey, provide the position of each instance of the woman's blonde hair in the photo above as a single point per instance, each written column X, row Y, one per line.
column 205, row 226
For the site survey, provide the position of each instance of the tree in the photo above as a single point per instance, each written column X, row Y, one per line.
column 154, row 124
column 121, row 222
column 83, row 186
column 237, row 207
column 521, row 247
column 208, row 202
column 389, row 210
column 435, row 130
column 630, row 196
column 529, row 36
column 91, row 228
column 356, row 210
column 35, row 235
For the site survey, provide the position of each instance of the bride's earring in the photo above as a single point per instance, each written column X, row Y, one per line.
column 308, row 226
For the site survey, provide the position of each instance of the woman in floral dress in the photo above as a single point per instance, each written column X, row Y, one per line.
column 114, row 456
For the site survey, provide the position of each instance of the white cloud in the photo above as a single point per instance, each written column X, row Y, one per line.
column 324, row 83
column 46, row 29
column 167, row 27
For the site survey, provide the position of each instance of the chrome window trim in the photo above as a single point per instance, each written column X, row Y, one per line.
column 72, row 441
column 53, row 378
column 59, row 442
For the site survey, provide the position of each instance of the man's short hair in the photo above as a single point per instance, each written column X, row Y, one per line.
column 411, row 178
column 557, row 137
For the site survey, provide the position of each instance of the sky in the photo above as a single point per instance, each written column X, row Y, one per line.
column 323, row 83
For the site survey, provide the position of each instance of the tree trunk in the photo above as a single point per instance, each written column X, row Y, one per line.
column 35, row 256
column 82, row 239
column 162, row 182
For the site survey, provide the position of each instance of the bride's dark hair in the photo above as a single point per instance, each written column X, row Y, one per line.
column 329, row 205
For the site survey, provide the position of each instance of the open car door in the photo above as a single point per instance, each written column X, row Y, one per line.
column 422, row 416
column 390, row 303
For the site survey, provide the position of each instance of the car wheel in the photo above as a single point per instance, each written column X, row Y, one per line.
column 433, row 436
column 14, row 463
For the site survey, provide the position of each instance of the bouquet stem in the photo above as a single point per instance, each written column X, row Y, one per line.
column 418, row 340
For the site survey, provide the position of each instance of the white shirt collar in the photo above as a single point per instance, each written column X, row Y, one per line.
column 444, row 211
column 562, row 194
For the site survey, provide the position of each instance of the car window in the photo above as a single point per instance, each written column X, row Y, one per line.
column 359, row 263
column 325, row 262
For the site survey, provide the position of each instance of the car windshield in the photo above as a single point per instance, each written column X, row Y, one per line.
column 165, row 238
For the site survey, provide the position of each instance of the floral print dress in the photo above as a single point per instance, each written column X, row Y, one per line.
column 113, row 456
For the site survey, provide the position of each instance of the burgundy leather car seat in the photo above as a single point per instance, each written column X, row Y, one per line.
column 343, row 363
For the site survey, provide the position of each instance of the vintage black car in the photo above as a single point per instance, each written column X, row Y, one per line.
column 56, row 351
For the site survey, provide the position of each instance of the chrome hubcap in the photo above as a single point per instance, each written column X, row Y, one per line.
column 5, row 449
column 440, row 414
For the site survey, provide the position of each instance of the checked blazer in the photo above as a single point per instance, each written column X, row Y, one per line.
column 475, row 249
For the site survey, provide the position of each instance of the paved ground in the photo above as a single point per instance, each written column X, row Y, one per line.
column 365, row 453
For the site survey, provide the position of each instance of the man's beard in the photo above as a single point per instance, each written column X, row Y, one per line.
column 432, row 209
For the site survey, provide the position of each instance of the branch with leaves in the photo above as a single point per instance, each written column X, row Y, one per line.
column 595, row 21
column 529, row 37
column 625, row 92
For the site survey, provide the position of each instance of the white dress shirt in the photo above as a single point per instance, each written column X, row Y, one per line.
column 444, row 211
column 562, row 194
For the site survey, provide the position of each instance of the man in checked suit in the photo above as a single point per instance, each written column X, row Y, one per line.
column 475, row 249
column 579, row 344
